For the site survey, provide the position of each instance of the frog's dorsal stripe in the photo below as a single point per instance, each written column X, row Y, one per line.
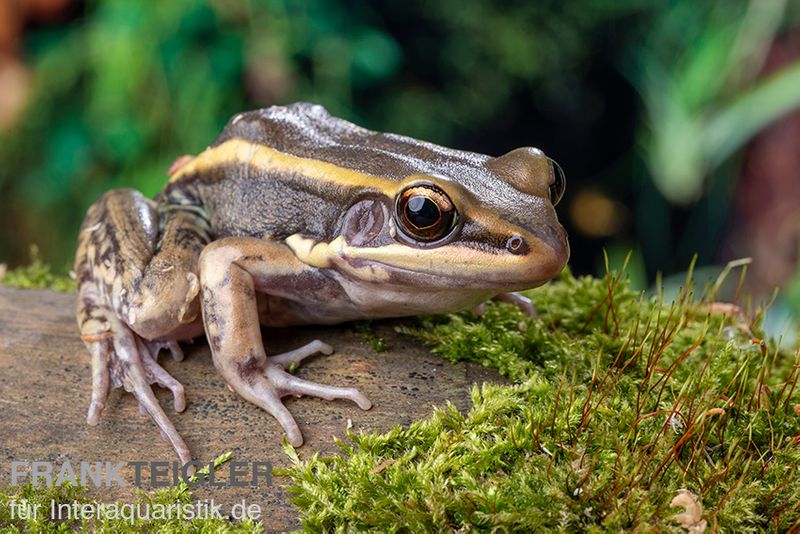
column 241, row 152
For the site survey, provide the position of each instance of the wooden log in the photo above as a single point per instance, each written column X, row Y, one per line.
column 45, row 383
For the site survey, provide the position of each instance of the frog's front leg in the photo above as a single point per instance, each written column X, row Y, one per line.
column 232, row 270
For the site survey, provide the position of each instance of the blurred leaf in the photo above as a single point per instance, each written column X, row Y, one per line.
column 704, row 106
column 375, row 55
column 760, row 105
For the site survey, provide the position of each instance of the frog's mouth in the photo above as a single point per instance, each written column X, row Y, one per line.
column 454, row 266
column 461, row 265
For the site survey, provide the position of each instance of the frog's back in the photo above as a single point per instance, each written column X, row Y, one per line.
column 286, row 169
column 309, row 131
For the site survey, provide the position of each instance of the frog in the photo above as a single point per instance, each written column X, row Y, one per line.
column 294, row 217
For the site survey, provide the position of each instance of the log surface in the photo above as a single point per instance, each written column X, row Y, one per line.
column 45, row 383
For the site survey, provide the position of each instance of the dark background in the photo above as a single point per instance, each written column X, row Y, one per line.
column 674, row 120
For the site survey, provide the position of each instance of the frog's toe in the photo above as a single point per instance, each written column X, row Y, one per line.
column 287, row 422
column 160, row 376
column 286, row 359
column 100, row 380
column 176, row 351
column 520, row 301
column 144, row 394
column 262, row 392
column 179, row 162
column 291, row 385
column 136, row 370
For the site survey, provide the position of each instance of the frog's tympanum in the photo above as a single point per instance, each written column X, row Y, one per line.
column 292, row 217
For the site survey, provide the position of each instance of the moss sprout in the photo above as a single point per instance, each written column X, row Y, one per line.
column 36, row 275
column 367, row 329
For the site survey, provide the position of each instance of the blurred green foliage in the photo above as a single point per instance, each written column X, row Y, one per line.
column 702, row 98
column 647, row 99
column 125, row 88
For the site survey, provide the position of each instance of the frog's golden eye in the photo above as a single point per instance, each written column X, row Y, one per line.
column 558, row 183
column 425, row 213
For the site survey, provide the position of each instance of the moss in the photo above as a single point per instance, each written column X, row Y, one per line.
column 67, row 494
column 619, row 401
column 367, row 329
column 36, row 275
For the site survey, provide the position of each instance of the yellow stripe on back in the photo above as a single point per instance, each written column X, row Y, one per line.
column 239, row 151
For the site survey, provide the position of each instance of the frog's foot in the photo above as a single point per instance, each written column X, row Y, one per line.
column 232, row 271
column 265, row 383
column 122, row 358
column 522, row 302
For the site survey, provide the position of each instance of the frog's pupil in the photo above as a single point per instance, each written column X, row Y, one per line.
column 422, row 212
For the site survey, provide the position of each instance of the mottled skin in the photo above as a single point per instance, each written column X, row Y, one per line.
column 292, row 217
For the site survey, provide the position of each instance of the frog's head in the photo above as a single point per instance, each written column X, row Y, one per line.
column 488, row 226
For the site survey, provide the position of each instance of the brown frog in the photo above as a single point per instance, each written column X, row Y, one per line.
column 293, row 216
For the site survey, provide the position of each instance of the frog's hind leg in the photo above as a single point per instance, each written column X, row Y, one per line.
column 136, row 290
column 231, row 271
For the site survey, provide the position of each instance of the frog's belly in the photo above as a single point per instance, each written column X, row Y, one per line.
column 337, row 303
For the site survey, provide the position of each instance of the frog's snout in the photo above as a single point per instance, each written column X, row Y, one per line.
column 555, row 237
column 547, row 254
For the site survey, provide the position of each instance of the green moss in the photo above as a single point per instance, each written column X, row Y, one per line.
column 67, row 494
column 367, row 329
column 619, row 401
column 37, row 275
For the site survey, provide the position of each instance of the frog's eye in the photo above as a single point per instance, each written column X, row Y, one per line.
column 558, row 183
column 425, row 213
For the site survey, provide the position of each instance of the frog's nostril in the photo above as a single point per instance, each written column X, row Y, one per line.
column 517, row 245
